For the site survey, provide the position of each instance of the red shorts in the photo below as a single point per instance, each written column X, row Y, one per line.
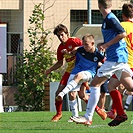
column 65, row 78
column 114, row 76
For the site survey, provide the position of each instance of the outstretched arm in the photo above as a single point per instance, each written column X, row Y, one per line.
column 57, row 65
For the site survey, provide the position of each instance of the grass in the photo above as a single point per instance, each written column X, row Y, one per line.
column 39, row 122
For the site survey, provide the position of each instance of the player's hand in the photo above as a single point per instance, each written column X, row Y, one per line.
column 47, row 72
column 102, row 48
column 73, row 52
column 64, row 51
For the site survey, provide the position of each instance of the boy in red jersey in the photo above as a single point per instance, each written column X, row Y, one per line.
column 67, row 45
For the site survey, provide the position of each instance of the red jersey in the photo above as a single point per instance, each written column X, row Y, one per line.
column 71, row 43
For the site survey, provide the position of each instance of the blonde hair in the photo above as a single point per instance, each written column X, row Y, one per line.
column 90, row 36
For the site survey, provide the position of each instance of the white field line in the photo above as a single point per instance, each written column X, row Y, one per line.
column 95, row 126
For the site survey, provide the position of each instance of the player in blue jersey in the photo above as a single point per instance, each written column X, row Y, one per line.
column 117, row 113
column 88, row 58
column 116, row 61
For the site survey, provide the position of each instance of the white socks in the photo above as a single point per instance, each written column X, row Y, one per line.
column 128, row 101
column 74, row 107
column 71, row 85
column 92, row 102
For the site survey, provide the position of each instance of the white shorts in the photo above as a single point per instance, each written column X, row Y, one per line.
column 110, row 68
column 87, row 77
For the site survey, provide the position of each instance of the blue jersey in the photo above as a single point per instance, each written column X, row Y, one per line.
column 87, row 61
column 110, row 29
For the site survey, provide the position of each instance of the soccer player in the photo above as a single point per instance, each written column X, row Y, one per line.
column 88, row 60
column 67, row 44
column 116, row 62
column 117, row 106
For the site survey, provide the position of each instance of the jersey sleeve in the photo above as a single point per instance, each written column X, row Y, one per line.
column 116, row 26
column 59, row 53
column 77, row 41
column 102, row 57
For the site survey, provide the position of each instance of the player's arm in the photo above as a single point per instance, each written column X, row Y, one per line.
column 57, row 65
column 115, row 40
column 102, row 61
column 73, row 52
column 121, row 34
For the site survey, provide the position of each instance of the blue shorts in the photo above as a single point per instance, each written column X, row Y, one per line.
column 104, row 87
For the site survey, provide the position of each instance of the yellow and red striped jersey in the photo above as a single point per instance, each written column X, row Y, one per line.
column 128, row 27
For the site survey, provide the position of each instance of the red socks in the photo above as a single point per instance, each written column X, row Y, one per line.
column 117, row 102
column 113, row 108
column 58, row 105
column 97, row 108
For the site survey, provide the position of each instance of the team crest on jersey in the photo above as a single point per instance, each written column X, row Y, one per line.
column 104, row 25
column 83, row 53
column 95, row 59
column 70, row 47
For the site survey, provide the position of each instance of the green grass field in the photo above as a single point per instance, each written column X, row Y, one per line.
column 39, row 122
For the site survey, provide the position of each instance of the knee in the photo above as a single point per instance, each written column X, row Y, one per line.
column 111, row 87
column 81, row 96
column 72, row 96
column 78, row 76
column 129, row 87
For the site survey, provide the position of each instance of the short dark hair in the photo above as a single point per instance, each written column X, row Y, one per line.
column 127, row 10
column 60, row 28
